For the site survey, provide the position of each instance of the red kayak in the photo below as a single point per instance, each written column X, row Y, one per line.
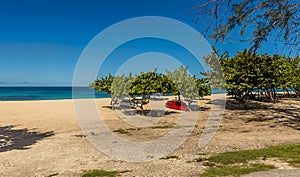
column 178, row 105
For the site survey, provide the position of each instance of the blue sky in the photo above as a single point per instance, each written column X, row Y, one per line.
column 42, row 40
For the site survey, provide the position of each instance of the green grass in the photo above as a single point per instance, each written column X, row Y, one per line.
column 162, row 126
column 121, row 131
column 235, row 163
column 52, row 175
column 80, row 136
column 100, row 173
column 288, row 153
column 103, row 173
column 235, row 170
column 200, row 159
column 170, row 157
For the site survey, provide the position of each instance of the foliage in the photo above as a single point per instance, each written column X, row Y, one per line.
column 289, row 153
column 121, row 131
column 236, row 163
column 178, row 82
column 294, row 76
column 120, row 87
column 184, row 83
column 203, row 87
column 103, row 84
column 215, row 74
column 236, row 170
column 169, row 157
column 147, row 84
column 248, row 74
column 99, row 173
column 257, row 20
column 163, row 126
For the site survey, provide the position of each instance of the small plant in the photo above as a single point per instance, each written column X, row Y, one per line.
column 121, row 131
column 200, row 159
column 80, row 136
column 133, row 128
column 209, row 164
column 235, row 170
column 102, row 173
column 163, row 126
column 170, row 157
column 55, row 174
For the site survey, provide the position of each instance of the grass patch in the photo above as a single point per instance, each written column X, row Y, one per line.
column 225, row 164
column 170, row 157
column 163, row 126
column 200, row 159
column 288, row 153
column 133, row 128
column 103, row 173
column 100, row 173
column 80, row 136
column 258, row 119
column 121, row 131
column 235, row 170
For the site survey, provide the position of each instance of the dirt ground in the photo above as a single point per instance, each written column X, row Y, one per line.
column 42, row 138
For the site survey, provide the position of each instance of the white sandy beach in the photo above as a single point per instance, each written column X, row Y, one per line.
column 41, row 138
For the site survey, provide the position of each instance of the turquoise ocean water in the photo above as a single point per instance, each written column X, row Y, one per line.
column 53, row 93
column 48, row 93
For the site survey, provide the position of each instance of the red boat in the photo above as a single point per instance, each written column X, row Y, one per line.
column 178, row 105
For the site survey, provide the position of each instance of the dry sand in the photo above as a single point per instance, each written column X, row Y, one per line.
column 41, row 138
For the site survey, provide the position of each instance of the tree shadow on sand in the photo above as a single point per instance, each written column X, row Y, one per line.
column 282, row 114
column 19, row 139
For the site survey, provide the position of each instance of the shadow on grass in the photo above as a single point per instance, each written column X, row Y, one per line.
column 19, row 139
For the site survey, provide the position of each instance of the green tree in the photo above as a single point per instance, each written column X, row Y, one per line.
column 184, row 83
column 144, row 85
column 215, row 75
column 103, row 84
column 203, row 87
column 256, row 20
column 120, row 87
column 247, row 73
column 295, row 79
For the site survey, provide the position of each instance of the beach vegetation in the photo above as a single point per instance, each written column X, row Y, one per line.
column 236, row 170
column 121, row 131
column 169, row 157
column 236, row 163
column 163, row 126
column 100, row 173
column 184, row 82
column 146, row 84
column 250, row 76
column 254, row 22
column 140, row 87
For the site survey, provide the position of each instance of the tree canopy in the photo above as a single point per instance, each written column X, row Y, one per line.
column 249, row 74
column 142, row 86
column 257, row 21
